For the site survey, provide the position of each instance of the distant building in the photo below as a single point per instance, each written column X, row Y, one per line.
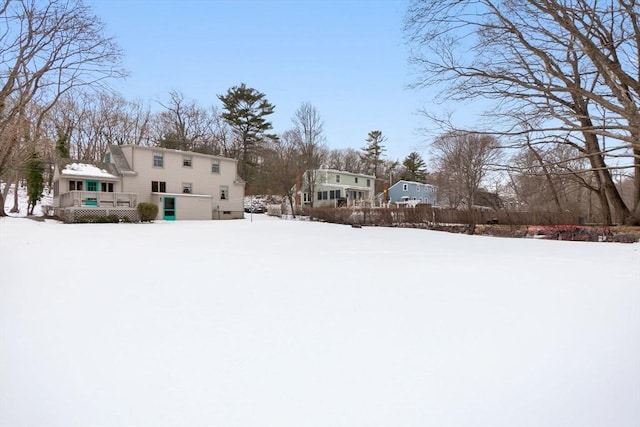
column 329, row 187
column 410, row 193
column 184, row 185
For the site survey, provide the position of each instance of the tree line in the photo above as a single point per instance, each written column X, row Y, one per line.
column 562, row 136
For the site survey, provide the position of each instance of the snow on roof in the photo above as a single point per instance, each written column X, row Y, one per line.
column 85, row 169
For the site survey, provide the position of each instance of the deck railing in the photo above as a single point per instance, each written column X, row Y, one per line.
column 98, row 199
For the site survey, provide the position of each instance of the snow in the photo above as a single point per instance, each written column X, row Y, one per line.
column 290, row 323
column 84, row 169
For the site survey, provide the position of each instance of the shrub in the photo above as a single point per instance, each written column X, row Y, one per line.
column 147, row 212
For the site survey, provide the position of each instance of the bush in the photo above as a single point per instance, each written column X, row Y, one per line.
column 147, row 212
column 95, row 219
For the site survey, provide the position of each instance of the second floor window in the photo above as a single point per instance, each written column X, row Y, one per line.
column 186, row 161
column 356, row 179
column 224, row 192
column 158, row 160
column 215, row 166
column 405, row 187
column 337, row 178
column 368, row 183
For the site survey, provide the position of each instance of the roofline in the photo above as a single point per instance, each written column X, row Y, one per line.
column 342, row 172
column 171, row 150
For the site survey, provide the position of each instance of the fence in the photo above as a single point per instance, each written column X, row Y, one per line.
column 433, row 216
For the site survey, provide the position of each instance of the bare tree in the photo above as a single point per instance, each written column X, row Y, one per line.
column 48, row 48
column 465, row 159
column 184, row 125
column 309, row 139
column 567, row 68
column 346, row 159
column 281, row 166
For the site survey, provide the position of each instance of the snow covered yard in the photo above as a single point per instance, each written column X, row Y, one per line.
column 287, row 323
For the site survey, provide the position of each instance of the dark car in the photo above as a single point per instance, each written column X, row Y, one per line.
column 255, row 209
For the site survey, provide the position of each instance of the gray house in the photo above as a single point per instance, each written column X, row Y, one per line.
column 410, row 193
column 184, row 185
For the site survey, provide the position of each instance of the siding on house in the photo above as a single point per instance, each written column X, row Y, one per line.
column 329, row 187
column 202, row 186
column 404, row 191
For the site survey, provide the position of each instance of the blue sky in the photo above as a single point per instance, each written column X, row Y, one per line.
column 346, row 57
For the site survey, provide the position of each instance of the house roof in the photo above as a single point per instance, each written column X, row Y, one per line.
column 86, row 169
column 118, row 158
column 402, row 181
column 342, row 173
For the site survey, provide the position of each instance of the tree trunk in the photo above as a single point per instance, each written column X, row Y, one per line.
column 16, row 207
column 293, row 209
column 547, row 175
column 636, row 188
column 619, row 210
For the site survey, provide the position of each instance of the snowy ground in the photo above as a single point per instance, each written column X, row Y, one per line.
column 288, row 323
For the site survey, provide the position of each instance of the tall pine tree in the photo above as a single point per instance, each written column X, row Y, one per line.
column 414, row 168
column 373, row 151
column 246, row 110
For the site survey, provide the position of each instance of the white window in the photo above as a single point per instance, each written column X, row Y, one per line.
column 405, row 187
column 368, row 183
column 186, row 161
column 356, row 179
column 417, row 188
column 158, row 160
column 224, row 192
column 337, row 178
column 215, row 166
column 186, row 187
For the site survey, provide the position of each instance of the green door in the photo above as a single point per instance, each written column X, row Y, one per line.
column 91, row 199
column 169, row 208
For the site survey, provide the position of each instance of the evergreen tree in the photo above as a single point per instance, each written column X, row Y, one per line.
column 35, row 181
column 373, row 151
column 415, row 169
column 246, row 110
column 62, row 144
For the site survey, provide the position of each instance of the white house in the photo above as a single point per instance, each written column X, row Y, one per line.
column 330, row 187
column 184, row 185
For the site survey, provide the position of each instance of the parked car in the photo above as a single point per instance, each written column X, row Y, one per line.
column 255, row 209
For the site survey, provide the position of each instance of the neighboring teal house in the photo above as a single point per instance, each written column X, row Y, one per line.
column 410, row 193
